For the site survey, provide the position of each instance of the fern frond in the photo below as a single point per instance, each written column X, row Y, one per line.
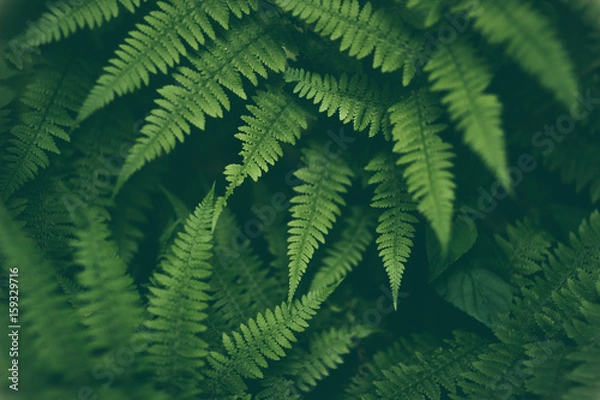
column 589, row 10
column 325, row 351
column 431, row 9
column 65, row 17
column 531, row 41
column 396, row 227
column 347, row 252
column 526, row 247
column 48, row 221
column 240, row 284
column 426, row 378
column 264, row 337
column 158, row 44
column 179, row 299
column 569, row 160
column 457, row 70
column 362, row 30
column 248, row 50
column 427, row 160
column 316, row 207
column 356, row 98
column 404, row 350
column 52, row 93
column 53, row 333
column 110, row 301
column 7, row 95
column 275, row 118
column 130, row 212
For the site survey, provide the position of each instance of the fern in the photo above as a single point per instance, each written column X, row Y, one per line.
column 347, row 252
column 457, row 70
column 240, row 286
column 526, row 247
column 362, row 30
column 530, row 41
column 567, row 159
column 93, row 229
column 396, row 224
column 262, row 338
column 423, row 380
column 178, row 301
column 357, row 98
column 404, row 349
column 316, row 207
column 48, row 99
column 107, row 284
column 51, row 324
column 65, row 17
column 432, row 10
column 427, row 158
column 158, row 44
column 275, row 119
column 324, row 353
column 246, row 50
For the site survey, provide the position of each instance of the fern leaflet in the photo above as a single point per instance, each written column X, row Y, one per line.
column 362, row 30
column 531, row 42
column 396, row 224
column 52, row 329
column 179, row 298
column 347, row 252
column 110, row 297
column 247, row 49
column 158, row 44
column 65, row 17
column 457, row 70
column 315, row 209
column 357, row 98
column 275, row 118
column 427, row 160
column 48, row 98
column 264, row 337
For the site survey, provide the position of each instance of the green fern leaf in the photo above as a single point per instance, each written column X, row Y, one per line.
column 178, row 301
column 362, row 30
column 404, row 350
column 52, row 333
column 158, row 44
column 248, row 49
column 431, row 9
column 325, row 351
column 110, row 302
column 240, row 284
column 65, row 17
column 531, row 42
column 427, row 160
column 347, row 252
column 423, row 380
column 357, row 98
column 396, row 224
column 275, row 118
column 458, row 71
column 526, row 247
column 264, row 337
column 49, row 97
column 315, row 209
